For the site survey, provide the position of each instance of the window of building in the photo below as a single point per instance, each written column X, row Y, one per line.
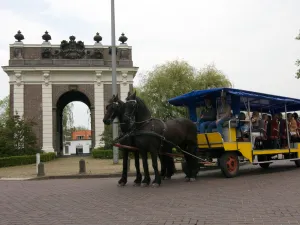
column 80, row 137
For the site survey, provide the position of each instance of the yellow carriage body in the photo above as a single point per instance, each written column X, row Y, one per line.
column 213, row 141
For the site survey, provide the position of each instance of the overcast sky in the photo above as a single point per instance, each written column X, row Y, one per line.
column 252, row 42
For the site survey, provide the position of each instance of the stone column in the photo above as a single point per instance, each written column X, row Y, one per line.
column 99, row 108
column 47, row 113
column 124, row 88
column 18, row 94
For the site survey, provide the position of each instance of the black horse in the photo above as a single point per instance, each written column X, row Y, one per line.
column 181, row 132
column 114, row 109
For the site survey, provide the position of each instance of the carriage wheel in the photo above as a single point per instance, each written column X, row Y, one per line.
column 297, row 163
column 264, row 165
column 229, row 163
column 264, row 158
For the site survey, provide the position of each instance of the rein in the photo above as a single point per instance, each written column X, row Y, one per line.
column 133, row 113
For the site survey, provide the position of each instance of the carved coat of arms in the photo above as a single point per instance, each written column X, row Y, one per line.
column 72, row 49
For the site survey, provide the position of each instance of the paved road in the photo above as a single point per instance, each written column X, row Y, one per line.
column 255, row 197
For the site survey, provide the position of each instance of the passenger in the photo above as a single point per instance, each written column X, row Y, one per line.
column 281, row 125
column 207, row 115
column 273, row 132
column 223, row 115
column 269, row 118
column 259, row 128
column 257, row 123
column 292, row 124
column 296, row 117
column 282, row 131
column 243, row 126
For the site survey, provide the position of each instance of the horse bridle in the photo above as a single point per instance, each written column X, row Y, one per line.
column 132, row 114
column 114, row 105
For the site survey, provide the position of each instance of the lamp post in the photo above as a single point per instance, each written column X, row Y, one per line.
column 114, row 76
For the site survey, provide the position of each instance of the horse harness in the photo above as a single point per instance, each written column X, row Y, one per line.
column 135, row 130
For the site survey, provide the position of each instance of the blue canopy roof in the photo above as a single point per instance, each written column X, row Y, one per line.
column 258, row 101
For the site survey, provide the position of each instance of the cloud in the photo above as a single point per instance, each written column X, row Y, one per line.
column 252, row 41
column 32, row 31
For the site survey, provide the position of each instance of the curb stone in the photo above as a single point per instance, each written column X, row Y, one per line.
column 14, row 178
column 108, row 175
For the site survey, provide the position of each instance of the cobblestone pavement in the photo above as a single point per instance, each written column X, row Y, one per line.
column 257, row 197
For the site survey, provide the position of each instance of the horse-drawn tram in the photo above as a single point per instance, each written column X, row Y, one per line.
column 237, row 123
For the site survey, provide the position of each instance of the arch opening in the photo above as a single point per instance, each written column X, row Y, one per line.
column 64, row 141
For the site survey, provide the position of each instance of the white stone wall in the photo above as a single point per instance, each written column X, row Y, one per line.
column 47, row 113
column 99, row 108
column 18, row 93
column 19, row 100
column 124, row 85
column 86, row 144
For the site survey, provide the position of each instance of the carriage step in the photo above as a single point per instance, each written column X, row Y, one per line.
column 296, row 159
column 262, row 162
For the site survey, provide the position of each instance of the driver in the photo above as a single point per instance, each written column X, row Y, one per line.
column 207, row 115
column 223, row 115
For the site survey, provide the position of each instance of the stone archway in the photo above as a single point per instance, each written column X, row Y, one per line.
column 63, row 95
column 45, row 77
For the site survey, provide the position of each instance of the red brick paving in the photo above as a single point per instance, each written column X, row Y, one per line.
column 255, row 197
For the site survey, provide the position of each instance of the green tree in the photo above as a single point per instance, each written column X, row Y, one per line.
column 78, row 128
column 176, row 78
column 17, row 137
column 298, row 61
column 68, row 122
column 4, row 109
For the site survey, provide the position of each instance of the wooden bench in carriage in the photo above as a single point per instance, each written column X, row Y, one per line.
column 228, row 151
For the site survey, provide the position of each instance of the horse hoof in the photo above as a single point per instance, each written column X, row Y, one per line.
column 167, row 178
column 122, row 184
column 136, row 184
column 187, row 179
column 155, row 185
column 192, row 179
column 144, row 185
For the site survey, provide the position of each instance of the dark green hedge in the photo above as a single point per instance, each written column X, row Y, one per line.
column 104, row 154
column 25, row 159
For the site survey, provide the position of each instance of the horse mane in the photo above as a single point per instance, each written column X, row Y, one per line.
column 142, row 104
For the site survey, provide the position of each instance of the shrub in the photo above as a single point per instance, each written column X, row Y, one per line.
column 17, row 137
column 99, row 153
column 104, row 154
column 107, row 137
column 25, row 159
